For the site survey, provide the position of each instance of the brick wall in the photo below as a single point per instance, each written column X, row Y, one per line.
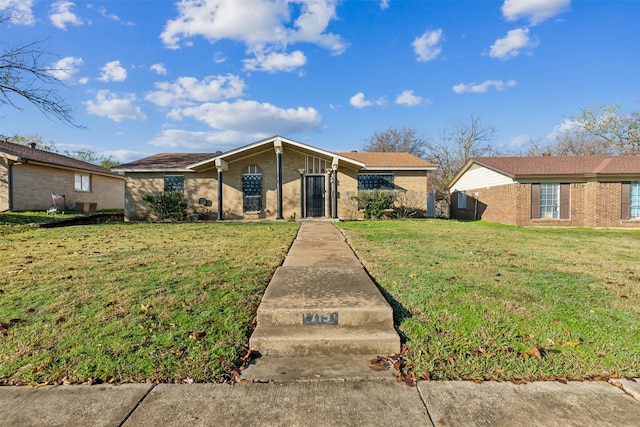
column 592, row 204
column 33, row 184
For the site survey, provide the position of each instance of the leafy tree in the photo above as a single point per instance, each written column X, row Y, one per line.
column 397, row 140
column 24, row 74
column 456, row 146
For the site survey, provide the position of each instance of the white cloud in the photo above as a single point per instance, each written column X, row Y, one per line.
column 519, row 141
column 186, row 90
column 384, row 4
column 483, row 87
column 266, row 27
column 124, row 156
column 358, row 101
column 536, row 11
column 567, row 126
column 66, row 68
column 179, row 139
column 273, row 62
column 427, row 46
column 252, row 117
column 108, row 104
column 408, row 98
column 219, row 58
column 159, row 68
column 511, row 45
column 61, row 15
column 113, row 72
column 18, row 11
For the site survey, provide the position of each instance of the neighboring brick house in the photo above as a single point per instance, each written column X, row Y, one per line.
column 28, row 176
column 276, row 178
column 575, row 191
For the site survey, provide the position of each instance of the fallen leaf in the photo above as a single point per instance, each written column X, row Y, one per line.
column 572, row 343
column 535, row 352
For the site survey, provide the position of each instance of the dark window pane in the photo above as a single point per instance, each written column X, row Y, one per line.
column 375, row 182
column 174, row 183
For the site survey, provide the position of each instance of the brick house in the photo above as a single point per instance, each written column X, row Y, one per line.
column 275, row 178
column 574, row 191
column 28, row 176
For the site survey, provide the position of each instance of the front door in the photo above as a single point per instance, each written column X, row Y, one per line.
column 315, row 196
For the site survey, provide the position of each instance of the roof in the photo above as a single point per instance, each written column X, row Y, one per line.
column 557, row 166
column 389, row 160
column 172, row 161
column 26, row 154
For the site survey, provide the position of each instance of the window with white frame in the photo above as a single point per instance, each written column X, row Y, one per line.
column 316, row 165
column 462, row 200
column 549, row 200
column 82, row 182
column 635, row 200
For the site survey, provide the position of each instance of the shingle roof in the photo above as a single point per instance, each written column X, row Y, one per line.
column 518, row 167
column 25, row 154
column 168, row 161
column 388, row 159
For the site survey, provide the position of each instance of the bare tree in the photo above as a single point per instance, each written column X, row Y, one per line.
column 600, row 130
column 397, row 140
column 456, row 146
column 23, row 73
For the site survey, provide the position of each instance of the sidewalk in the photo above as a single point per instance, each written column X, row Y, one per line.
column 325, row 391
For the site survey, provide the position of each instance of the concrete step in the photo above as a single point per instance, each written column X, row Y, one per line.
column 323, row 340
column 343, row 296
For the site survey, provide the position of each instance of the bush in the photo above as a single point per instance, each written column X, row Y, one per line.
column 375, row 203
column 167, row 205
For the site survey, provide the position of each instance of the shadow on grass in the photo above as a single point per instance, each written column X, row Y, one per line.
column 400, row 313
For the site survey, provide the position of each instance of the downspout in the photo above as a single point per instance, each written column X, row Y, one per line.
column 475, row 206
column 10, row 185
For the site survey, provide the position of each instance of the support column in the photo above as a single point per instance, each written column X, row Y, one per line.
column 278, row 147
column 220, row 216
column 334, row 166
column 301, row 192
column 221, row 166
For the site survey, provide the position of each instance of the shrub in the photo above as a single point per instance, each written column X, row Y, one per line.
column 167, row 205
column 375, row 203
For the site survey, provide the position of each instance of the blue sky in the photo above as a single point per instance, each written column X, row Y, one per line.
column 148, row 76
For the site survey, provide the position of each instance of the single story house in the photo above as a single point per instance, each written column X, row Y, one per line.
column 275, row 178
column 30, row 176
column 575, row 191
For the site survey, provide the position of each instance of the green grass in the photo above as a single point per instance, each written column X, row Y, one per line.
column 492, row 302
column 17, row 222
column 132, row 302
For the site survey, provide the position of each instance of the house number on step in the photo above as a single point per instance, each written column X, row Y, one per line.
column 320, row 319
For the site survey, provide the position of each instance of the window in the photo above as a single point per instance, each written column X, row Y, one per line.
column 375, row 181
column 174, row 183
column 252, row 190
column 635, row 199
column 316, row 165
column 550, row 201
column 462, row 200
column 83, row 182
column 631, row 200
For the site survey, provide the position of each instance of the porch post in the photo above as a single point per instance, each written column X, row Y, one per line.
column 334, row 166
column 301, row 192
column 278, row 147
column 221, row 165
column 220, row 218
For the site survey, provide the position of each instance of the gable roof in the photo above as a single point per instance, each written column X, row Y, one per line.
column 557, row 166
column 389, row 160
column 26, row 154
column 176, row 162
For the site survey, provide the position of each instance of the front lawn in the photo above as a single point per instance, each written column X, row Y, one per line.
column 484, row 301
column 132, row 302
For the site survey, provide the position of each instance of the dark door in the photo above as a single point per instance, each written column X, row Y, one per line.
column 315, row 196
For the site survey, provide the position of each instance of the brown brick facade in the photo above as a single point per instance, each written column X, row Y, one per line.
column 592, row 204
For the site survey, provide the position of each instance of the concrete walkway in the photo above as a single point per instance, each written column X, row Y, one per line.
column 325, row 391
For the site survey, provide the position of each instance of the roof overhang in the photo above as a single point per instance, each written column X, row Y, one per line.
column 401, row 168
column 272, row 144
column 69, row 168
